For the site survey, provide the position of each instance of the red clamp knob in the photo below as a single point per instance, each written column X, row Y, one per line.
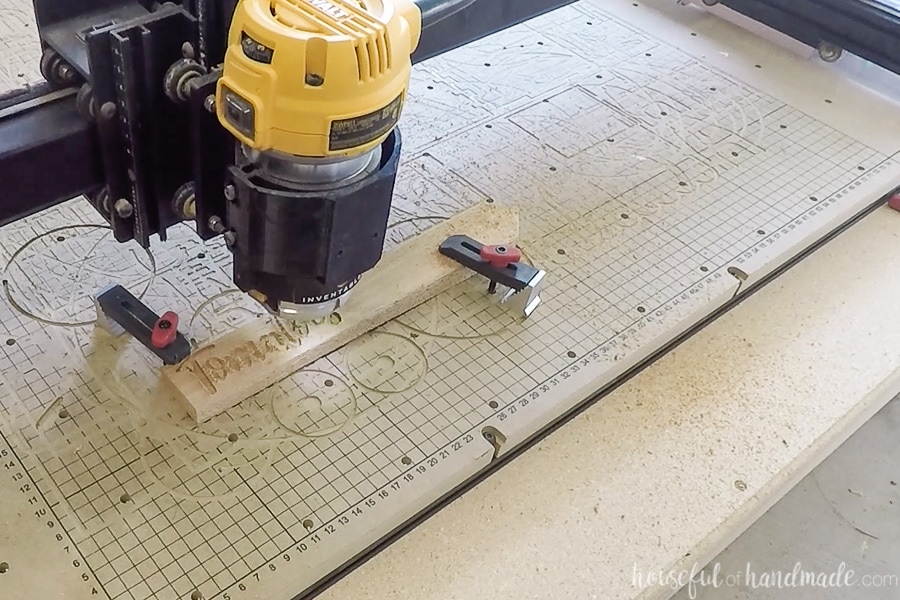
column 165, row 330
column 501, row 257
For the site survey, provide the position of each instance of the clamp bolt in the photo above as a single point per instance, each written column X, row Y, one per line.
column 499, row 257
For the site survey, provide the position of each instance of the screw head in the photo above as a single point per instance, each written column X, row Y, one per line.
column 216, row 224
column 210, row 103
column 108, row 110
column 230, row 192
column 187, row 50
column 830, row 52
column 123, row 208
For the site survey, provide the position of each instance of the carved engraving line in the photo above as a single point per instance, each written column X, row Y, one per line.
column 211, row 370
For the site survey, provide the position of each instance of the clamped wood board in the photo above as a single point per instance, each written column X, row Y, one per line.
column 247, row 360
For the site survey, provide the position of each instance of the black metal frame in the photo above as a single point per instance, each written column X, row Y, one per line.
column 47, row 154
column 869, row 29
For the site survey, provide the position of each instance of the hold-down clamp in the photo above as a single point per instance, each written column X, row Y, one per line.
column 118, row 311
column 501, row 264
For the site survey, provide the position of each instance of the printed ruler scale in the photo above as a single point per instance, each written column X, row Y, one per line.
column 658, row 174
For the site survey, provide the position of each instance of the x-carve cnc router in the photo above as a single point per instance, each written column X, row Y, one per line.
column 665, row 165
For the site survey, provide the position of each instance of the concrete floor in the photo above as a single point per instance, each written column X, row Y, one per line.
column 846, row 511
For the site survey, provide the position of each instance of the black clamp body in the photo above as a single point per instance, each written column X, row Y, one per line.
column 118, row 311
column 500, row 264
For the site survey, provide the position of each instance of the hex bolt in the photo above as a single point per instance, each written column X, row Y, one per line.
column 124, row 208
column 230, row 192
column 215, row 223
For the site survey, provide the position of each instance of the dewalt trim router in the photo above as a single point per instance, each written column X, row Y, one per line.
column 312, row 90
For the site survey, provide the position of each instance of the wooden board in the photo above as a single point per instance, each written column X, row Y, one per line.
column 247, row 360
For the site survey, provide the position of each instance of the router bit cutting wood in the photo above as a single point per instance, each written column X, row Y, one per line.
column 312, row 91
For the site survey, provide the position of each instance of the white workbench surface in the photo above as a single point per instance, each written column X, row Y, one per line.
column 664, row 472
column 649, row 477
column 673, row 465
